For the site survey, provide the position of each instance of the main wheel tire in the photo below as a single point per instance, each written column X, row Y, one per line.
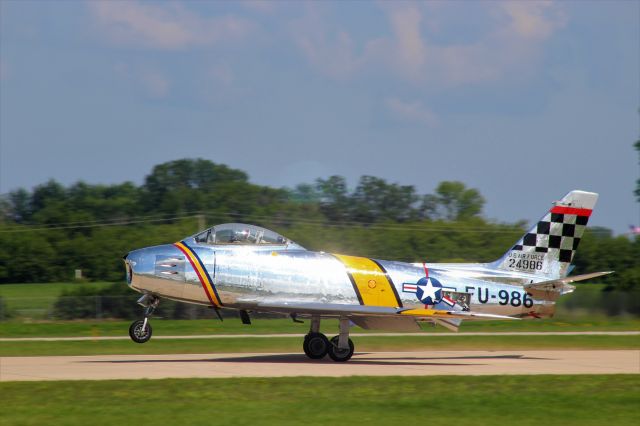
column 315, row 345
column 337, row 354
column 138, row 334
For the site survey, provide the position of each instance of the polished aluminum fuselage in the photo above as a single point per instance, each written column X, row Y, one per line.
column 247, row 276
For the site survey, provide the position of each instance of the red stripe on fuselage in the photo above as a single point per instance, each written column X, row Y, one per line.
column 571, row 210
column 426, row 275
column 193, row 265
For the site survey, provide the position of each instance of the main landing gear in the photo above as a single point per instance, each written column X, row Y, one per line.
column 140, row 330
column 339, row 348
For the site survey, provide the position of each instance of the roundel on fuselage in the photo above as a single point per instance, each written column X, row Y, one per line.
column 429, row 291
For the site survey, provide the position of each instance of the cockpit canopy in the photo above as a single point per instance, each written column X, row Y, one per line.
column 242, row 234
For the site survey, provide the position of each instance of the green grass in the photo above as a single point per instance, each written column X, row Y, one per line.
column 160, row 327
column 294, row 344
column 44, row 289
column 267, row 326
column 478, row 400
column 36, row 300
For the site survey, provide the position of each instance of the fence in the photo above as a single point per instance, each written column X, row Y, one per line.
column 125, row 307
column 100, row 308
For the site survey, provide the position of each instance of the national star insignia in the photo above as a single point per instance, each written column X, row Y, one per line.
column 430, row 293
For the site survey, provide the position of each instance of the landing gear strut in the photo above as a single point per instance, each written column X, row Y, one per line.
column 316, row 345
column 140, row 330
column 341, row 347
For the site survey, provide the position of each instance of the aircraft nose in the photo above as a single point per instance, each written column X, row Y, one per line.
column 143, row 264
column 132, row 262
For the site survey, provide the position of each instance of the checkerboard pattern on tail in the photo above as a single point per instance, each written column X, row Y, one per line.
column 549, row 246
column 556, row 233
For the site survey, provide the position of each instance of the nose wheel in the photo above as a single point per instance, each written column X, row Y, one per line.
column 140, row 331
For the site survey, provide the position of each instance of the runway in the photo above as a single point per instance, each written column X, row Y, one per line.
column 422, row 363
column 263, row 336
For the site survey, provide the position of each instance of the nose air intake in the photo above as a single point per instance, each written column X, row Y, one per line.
column 128, row 269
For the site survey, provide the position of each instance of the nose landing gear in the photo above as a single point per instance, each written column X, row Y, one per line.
column 140, row 330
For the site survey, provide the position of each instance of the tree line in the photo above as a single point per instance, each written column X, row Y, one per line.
column 51, row 230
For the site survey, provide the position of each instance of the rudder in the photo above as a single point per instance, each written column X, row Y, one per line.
column 549, row 246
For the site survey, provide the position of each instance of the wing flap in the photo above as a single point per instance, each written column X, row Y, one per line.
column 388, row 323
column 450, row 324
column 439, row 313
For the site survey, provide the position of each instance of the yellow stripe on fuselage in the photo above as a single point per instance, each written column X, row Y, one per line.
column 203, row 276
column 370, row 281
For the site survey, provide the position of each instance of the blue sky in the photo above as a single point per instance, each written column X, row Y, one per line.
column 522, row 100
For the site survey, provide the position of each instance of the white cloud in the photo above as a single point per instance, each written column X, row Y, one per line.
column 332, row 52
column 223, row 73
column 411, row 111
column 149, row 81
column 262, row 6
column 155, row 84
column 535, row 20
column 410, row 49
column 164, row 25
column 509, row 48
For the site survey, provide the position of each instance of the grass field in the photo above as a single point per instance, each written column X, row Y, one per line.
column 44, row 289
column 267, row 326
column 36, row 300
column 294, row 344
column 488, row 400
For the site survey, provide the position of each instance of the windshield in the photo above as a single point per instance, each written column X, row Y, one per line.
column 240, row 233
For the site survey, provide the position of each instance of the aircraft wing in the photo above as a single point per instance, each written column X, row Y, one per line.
column 394, row 323
column 335, row 309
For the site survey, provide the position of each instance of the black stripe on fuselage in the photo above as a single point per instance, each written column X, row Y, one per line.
column 393, row 287
column 353, row 281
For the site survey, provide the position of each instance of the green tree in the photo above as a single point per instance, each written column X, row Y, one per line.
column 334, row 198
column 453, row 201
column 304, row 193
column 637, row 191
column 395, row 228
column 19, row 205
column 374, row 199
column 187, row 185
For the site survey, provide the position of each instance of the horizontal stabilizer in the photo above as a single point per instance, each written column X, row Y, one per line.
column 562, row 285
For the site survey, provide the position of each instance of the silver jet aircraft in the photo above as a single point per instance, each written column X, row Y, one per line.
column 252, row 269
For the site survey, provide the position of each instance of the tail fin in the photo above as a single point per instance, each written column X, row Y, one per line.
column 548, row 248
